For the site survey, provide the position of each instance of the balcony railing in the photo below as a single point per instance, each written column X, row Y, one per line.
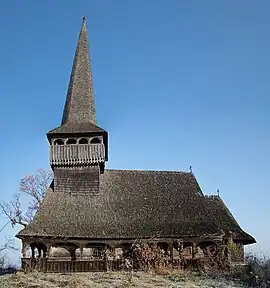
column 77, row 154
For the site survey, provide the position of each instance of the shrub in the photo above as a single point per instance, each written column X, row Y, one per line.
column 254, row 273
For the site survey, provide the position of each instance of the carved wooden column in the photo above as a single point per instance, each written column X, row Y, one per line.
column 181, row 250
column 194, row 250
column 106, row 253
column 81, row 253
column 72, row 254
column 39, row 251
column 181, row 254
column 24, row 249
column 48, row 250
column 171, row 251
column 114, row 253
column 44, row 252
column 32, row 251
column 105, row 258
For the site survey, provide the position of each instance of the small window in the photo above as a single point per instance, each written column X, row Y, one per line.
column 95, row 141
column 58, row 142
column 83, row 141
column 71, row 141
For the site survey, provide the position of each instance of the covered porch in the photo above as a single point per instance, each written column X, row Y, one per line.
column 82, row 255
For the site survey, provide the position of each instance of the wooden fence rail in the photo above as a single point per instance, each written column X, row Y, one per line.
column 65, row 266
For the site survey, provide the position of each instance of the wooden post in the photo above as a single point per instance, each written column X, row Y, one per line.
column 106, row 251
column 32, row 251
column 48, row 251
column 181, row 256
column 114, row 253
column 24, row 248
column 72, row 254
column 81, row 253
column 171, row 251
column 39, row 251
column 181, row 250
column 194, row 250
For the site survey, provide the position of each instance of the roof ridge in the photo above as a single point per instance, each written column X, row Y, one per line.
column 213, row 196
column 145, row 170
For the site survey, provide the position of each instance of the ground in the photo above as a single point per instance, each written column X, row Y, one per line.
column 113, row 280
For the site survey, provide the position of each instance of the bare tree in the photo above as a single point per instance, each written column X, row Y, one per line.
column 8, row 245
column 33, row 189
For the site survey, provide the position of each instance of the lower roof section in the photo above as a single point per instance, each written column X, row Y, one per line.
column 129, row 204
column 226, row 221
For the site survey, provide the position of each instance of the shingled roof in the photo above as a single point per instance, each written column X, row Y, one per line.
column 79, row 113
column 129, row 204
column 225, row 220
column 73, row 128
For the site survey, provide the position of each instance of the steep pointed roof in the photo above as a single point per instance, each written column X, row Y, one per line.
column 79, row 112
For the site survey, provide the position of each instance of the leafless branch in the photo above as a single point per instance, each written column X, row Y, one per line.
column 8, row 246
column 36, row 185
column 33, row 187
column 12, row 211
column 4, row 227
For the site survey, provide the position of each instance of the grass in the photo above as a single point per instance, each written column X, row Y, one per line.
column 256, row 273
column 114, row 280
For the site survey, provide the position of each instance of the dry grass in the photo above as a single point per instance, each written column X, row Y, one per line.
column 113, row 280
column 256, row 273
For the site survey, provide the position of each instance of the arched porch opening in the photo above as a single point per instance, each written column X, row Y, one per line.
column 58, row 252
column 38, row 250
column 164, row 248
column 98, row 251
column 65, row 251
column 188, row 250
column 208, row 248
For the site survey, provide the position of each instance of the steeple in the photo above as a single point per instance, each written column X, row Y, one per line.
column 79, row 115
column 79, row 141
column 80, row 103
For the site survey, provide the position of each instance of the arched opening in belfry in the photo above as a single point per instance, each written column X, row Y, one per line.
column 71, row 141
column 83, row 141
column 95, row 141
column 58, row 142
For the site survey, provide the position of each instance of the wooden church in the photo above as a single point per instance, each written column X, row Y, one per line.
column 90, row 208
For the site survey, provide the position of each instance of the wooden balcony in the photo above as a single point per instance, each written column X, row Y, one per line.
column 76, row 154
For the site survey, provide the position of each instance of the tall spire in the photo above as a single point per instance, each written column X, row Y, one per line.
column 80, row 103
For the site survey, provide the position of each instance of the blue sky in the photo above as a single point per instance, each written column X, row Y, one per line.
column 177, row 83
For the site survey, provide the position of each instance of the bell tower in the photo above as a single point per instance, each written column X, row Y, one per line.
column 78, row 146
